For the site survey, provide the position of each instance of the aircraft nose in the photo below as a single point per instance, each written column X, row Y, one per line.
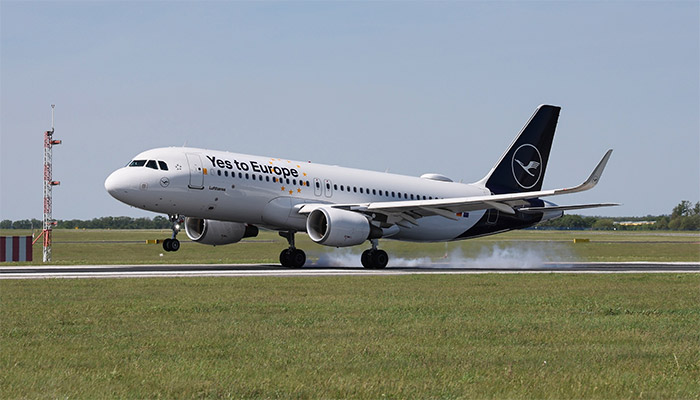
column 116, row 184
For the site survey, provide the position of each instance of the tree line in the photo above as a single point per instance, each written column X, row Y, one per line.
column 158, row 222
column 684, row 217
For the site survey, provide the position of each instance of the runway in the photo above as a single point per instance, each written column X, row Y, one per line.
column 248, row 270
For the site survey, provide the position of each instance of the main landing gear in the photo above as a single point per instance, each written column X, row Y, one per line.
column 374, row 258
column 295, row 258
column 173, row 244
column 291, row 257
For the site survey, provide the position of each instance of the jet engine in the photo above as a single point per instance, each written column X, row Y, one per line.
column 209, row 231
column 339, row 228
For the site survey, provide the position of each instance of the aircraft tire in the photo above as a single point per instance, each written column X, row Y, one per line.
column 166, row 244
column 374, row 259
column 174, row 245
column 380, row 259
column 285, row 258
column 298, row 258
column 366, row 259
column 292, row 258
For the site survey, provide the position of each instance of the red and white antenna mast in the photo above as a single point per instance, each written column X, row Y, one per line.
column 49, row 183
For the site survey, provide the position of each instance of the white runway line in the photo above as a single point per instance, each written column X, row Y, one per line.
column 252, row 270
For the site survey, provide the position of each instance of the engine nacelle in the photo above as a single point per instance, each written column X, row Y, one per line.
column 209, row 231
column 339, row 228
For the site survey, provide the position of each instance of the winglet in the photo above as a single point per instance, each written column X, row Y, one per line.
column 595, row 175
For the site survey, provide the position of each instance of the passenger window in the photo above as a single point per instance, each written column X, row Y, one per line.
column 354, row 189
column 151, row 164
column 163, row 165
column 267, row 178
column 253, row 177
column 341, row 188
column 138, row 163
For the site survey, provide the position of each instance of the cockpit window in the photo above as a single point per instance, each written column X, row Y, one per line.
column 152, row 164
column 163, row 165
column 137, row 163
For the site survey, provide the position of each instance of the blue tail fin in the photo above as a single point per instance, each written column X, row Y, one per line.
column 521, row 168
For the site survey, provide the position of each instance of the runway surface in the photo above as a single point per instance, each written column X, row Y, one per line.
column 241, row 270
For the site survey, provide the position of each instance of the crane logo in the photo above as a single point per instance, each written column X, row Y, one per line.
column 526, row 166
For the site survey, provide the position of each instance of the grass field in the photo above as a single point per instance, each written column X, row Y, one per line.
column 438, row 336
column 468, row 336
column 128, row 247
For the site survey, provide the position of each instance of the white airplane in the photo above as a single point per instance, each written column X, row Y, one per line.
column 227, row 196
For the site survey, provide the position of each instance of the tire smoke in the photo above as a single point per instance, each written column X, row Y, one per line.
column 520, row 255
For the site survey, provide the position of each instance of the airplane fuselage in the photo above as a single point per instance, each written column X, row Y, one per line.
column 264, row 191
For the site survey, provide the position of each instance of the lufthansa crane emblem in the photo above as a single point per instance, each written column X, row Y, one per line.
column 527, row 166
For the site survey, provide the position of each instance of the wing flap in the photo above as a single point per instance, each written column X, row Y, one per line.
column 533, row 210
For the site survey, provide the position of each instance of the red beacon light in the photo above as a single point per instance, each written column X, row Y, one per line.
column 55, row 183
column 54, row 142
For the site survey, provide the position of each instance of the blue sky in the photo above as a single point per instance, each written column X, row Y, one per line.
column 410, row 87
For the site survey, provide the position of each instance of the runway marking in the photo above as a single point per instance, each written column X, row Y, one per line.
column 250, row 270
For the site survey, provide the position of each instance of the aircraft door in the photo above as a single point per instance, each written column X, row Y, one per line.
column 328, row 187
column 196, row 173
column 318, row 190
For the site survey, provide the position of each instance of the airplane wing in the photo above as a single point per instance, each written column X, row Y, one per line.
column 403, row 212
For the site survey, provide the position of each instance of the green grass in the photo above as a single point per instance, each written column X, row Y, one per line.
column 444, row 336
column 128, row 247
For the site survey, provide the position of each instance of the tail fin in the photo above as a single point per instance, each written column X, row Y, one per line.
column 521, row 168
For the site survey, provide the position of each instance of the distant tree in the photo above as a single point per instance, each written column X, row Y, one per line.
column 690, row 223
column 604, row 224
column 683, row 209
column 685, row 217
column 6, row 224
column 661, row 224
column 22, row 224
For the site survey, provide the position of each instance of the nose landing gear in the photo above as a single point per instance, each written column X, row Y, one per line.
column 291, row 257
column 172, row 244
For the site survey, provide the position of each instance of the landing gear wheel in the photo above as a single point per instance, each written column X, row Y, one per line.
column 292, row 258
column 374, row 259
column 380, row 259
column 174, row 245
column 171, row 245
column 366, row 259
